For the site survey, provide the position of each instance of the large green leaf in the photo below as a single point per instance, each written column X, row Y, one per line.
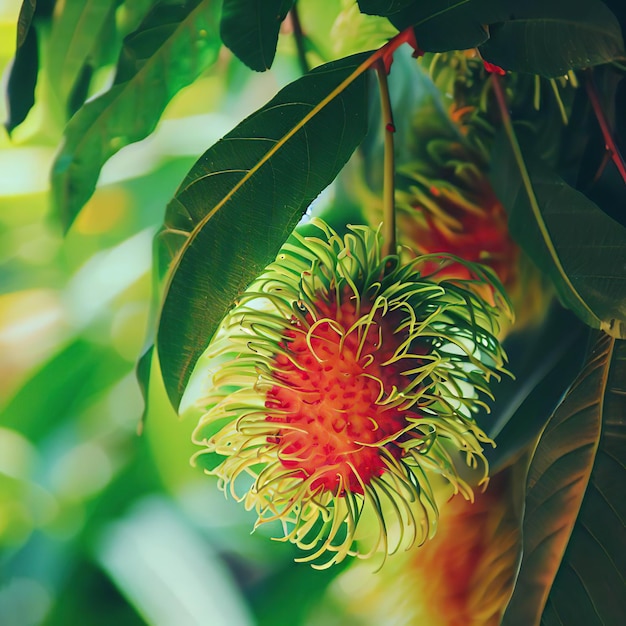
column 579, row 247
column 442, row 25
column 250, row 29
column 74, row 34
column 170, row 49
column 550, row 37
column 575, row 499
column 23, row 76
column 244, row 196
column 593, row 570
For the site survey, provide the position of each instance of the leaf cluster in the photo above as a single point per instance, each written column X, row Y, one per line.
column 550, row 131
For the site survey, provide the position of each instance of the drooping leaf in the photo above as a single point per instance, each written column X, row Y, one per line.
column 23, row 76
column 575, row 243
column 383, row 7
column 590, row 586
column 250, row 29
column 244, row 196
column 75, row 31
column 550, row 37
column 575, row 501
column 80, row 90
column 170, row 49
column 25, row 20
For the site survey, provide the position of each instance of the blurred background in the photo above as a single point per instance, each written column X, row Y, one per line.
column 99, row 525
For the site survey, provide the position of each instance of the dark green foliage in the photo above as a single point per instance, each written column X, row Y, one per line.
column 593, row 569
column 171, row 48
column 448, row 24
column 554, row 222
column 233, row 211
column 250, row 29
column 543, row 374
column 23, row 77
column 582, row 443
column 550, row 37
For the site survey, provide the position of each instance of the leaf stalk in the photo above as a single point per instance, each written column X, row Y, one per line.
column 389, row 167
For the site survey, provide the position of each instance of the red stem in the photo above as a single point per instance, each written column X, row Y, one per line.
column 389, row 209
column 609, row 141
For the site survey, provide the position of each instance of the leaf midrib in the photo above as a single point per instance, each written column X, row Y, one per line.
column 539, row 219
column 265, row 158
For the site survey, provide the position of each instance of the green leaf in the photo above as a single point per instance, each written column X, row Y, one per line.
column 289, row 594
column 74, row 34
column 171, row 48
column 551, row 361
column 575, row 500
column 383, row 7
column 242, row 199
column 593, row 570
column 575, row 243
column 143, row 369
column 23, row 77
column 62, row 387
column 250, row 29
column 442, row 25
column 551, row 37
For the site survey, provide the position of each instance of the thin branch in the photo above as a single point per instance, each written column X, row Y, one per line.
column 389, row 187
column 609, row 141
column 299, row 37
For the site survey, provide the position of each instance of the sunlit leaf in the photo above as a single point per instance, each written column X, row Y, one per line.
column 23, row 77
column 575, row 243
column 244, row 196
column 575, row 501
column 74, row 34
column 170, row 49
column 250, row 29
column 549, row 38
